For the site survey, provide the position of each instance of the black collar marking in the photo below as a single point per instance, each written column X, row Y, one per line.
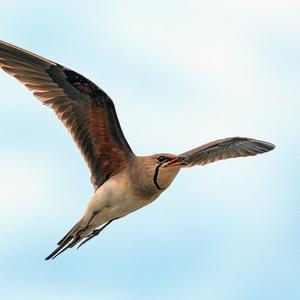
column 155, row 178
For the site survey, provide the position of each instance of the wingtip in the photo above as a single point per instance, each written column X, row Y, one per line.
column 269, row 146
column 272, row 146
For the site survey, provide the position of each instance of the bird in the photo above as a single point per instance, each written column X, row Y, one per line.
column 123, row 181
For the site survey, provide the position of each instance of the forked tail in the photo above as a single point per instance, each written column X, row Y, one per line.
column 68, row 241
column 75, row 235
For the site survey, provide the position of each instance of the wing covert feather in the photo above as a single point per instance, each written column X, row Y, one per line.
column 225, row 148
column 85, row 109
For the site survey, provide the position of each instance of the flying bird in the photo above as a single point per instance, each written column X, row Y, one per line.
column 123, row 181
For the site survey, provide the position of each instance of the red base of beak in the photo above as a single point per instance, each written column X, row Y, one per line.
column 177, row 162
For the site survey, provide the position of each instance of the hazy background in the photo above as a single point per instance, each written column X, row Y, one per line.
column 181, row 73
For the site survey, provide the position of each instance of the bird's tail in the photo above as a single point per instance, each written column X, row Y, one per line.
column 76, row 234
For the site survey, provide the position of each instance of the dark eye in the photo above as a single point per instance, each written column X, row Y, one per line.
column 161, row 158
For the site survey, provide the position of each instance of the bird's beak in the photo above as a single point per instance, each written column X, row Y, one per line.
column 179, row 161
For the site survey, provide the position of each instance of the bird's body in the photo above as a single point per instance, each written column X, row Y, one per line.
column 116, row 198
column 123, row 182
column 128, row 190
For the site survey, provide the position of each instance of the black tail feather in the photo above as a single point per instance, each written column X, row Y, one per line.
column 60, row 249
column 68, row 233
column 75, row 235
column 72, row 236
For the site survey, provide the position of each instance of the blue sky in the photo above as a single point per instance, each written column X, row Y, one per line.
column 181, row 73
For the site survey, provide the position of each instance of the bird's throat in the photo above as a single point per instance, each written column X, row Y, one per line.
column 155, row 177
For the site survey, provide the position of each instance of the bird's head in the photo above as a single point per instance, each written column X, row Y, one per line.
column 167, row 167
column 159, row 170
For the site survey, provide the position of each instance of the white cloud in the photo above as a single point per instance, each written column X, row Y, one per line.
column 22, row 193
column 219, row 48
column 197, row 35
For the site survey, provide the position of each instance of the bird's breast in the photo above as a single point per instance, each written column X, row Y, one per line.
column 117, row 197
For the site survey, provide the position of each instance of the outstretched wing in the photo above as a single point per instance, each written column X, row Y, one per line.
column 86, row 111
column 224, row 149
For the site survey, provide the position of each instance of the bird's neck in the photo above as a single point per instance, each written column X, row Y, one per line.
column 141, row 179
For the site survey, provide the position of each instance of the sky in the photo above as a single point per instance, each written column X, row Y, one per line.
column 181, row 73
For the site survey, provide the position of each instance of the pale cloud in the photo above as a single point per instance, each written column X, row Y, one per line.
column 197, row 35
column 23, row 186
column 216, row 45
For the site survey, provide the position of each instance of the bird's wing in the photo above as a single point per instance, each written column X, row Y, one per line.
column 224, row 149
column 86, row 111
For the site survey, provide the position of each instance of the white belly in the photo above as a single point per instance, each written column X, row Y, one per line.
column 114, row 199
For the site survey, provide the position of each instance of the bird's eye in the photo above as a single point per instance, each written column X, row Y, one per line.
column 161, row 158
